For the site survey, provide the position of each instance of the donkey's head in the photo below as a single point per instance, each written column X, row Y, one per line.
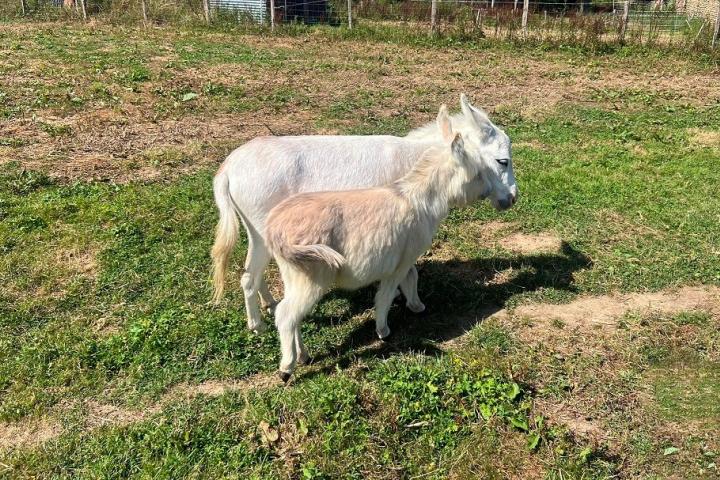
column 489, row 147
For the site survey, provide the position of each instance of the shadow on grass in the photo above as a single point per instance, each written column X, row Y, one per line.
column 458, row 295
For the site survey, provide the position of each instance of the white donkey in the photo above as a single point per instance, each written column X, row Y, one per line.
column 266, row 170
column 355, row 237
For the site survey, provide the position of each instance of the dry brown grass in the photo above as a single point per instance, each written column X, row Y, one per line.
column 110, row 143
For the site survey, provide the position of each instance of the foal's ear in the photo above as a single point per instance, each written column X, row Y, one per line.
column 458, row 148
column 444, row 125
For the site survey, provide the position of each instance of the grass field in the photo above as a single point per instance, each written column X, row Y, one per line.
column 575, row 336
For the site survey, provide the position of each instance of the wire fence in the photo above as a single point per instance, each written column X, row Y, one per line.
column 680, row 22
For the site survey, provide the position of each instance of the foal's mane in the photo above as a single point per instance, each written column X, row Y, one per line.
column 432, row 179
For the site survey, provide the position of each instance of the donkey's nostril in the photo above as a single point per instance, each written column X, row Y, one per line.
column 505, row 203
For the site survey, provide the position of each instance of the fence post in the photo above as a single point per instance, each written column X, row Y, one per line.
column 515, row 5
column 717, row 27
column 526, row 8
column 22, row 6
column 272, row 15
column 433, row 17
column 349, row 2
column 624, row 22
column 84, row 10
column 492, row 4
column 143, row 5
column 206, row 11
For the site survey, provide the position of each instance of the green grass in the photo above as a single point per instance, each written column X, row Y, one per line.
column 104, row 287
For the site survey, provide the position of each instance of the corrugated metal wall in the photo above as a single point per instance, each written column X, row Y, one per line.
column 257, row 9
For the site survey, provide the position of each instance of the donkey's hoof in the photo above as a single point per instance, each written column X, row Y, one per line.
column 270, row 308
column 284, row 376
column 419, row 308
column 259, row 328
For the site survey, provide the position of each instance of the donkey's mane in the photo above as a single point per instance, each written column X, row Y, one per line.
column 458, row 121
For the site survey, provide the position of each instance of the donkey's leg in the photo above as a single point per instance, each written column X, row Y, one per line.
column 383, row 300
column 301, row 294
column 267, row 301
column 409, row 289
column 252, row 280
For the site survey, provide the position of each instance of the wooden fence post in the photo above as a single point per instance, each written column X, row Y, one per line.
column 143, row 6
column 716, row 33
column 22, row 6
column 515, row 5
column 272, row 15
column 526, row 9
column 624, row 21
column 349, row 3
column 433, row 17
column 206, row 11
column 84, row 10
column 492, row 4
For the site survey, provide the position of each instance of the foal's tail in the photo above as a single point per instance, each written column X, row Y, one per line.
column 226, row 233
column 302, row 255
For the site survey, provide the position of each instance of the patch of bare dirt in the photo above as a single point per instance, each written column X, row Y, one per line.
column 27, row 433
column 79, row 260
column 216, row 388
column 704, row 137
column 33, row 432
column 102, row 414
column 580, row 425
column 524, row 243
column 604, row 312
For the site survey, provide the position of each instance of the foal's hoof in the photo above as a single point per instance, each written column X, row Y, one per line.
column 284, row 376
column 306, row 360
column 389, row 339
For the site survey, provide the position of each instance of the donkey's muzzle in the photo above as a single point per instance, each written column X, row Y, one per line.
column 505, row 203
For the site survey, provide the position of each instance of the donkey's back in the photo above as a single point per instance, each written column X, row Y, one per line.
column 266, row 170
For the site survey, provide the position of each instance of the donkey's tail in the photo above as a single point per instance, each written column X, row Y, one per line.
column 302, row 255
column 226, row 233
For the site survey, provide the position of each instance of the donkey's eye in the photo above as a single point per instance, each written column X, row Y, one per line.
column 503, row 161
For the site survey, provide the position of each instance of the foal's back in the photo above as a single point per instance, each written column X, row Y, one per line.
column 364, row 226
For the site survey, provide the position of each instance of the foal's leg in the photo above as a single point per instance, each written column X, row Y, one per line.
column 383, row 300
column 252, row 280
column 303, row 356
column 301, row 294
column 409, row 289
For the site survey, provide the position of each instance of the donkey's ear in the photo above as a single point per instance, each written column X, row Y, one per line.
column 444, row 125
column 473, row 113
